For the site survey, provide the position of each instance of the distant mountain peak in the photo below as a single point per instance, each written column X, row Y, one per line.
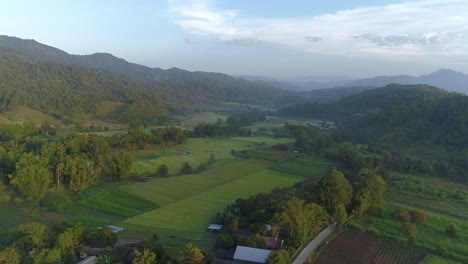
column 446, row 72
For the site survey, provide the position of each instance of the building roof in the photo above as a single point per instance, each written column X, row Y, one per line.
column 251, row 254
column 273, row 243
column 89, row 260
column 215, row 227
column 91, row 251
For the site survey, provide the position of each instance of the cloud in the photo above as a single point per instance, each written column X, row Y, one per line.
column 411, row 28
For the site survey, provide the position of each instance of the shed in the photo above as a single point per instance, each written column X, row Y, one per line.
column 115, row 229
column 255, row 255
column 215, row 227
column 85, row 251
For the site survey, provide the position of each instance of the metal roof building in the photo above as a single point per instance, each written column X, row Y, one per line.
column 255, row 255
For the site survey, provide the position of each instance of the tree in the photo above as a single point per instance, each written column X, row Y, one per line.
column 48, row 255
column 32, row 235
column 32, row 176
column 372, row 192
column 225, row 241
column 418, row 216
column 185, row 168
column 81, row 173
column 279, row 257
column 147, row 257
column 452, row 230
column 192, row 255
column 102, row 237
column 70, row 240
column 256, row 241
column 410, row 229
column 340, row 215
column 119, row 165
column 163, row 170
column 232, row 223
column 301, row 220
column 10, row 255
column 335, row 189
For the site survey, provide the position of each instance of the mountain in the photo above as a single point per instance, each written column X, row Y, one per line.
column 365, row 101
column 449, row 80
column 191, row 86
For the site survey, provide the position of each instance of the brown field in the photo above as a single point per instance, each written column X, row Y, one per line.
column 362, row 248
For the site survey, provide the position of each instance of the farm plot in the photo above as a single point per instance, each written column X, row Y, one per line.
column 171, row 189
column 362, row 248
column 117, row 202
column 306, row 166
column 195, row 152
column 188, row 218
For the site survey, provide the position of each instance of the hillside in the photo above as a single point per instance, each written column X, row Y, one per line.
column 181, row 82
column 414, row 120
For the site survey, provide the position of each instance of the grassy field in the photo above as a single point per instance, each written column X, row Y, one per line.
column 24, row 114
column 11, row 216
column 196, row 151
column 277, row 122
column 197, row 118
column 188, row 218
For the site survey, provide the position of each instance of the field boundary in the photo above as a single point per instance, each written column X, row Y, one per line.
column 307, row 251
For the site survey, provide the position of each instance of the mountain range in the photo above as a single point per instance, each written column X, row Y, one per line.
column 446, row 79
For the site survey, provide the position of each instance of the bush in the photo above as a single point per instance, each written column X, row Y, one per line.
column 410, row 229
column 225, row 241
column 402, row 216
column 452, row 230
column 354, row 226
column 185, row 168
column 418, row 216
column 163, row 170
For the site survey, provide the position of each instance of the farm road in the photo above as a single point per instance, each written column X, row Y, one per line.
column 307, row 251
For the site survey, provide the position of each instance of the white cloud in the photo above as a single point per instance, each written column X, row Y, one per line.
column 416, row 28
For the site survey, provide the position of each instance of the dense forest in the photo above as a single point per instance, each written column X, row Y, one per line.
column 422, row 122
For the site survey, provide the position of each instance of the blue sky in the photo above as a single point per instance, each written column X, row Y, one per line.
column 282, row 39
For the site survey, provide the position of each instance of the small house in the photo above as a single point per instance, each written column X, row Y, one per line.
column 245, row 255
column 215, row 227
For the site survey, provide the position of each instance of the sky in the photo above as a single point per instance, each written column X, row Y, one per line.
column 275, row 38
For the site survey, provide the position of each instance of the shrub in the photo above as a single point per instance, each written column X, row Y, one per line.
column 225, row 241
column 354, row 226
column 452, row 230
column 185, row 168
column 163, row 170
column 409, row 229
column 418, row 216
column 402, row 216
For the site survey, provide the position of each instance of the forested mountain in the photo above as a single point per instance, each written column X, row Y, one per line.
column 366, row 102
column 63, row 91
column 183, row 83
column 59, row 84
column 413, row 119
